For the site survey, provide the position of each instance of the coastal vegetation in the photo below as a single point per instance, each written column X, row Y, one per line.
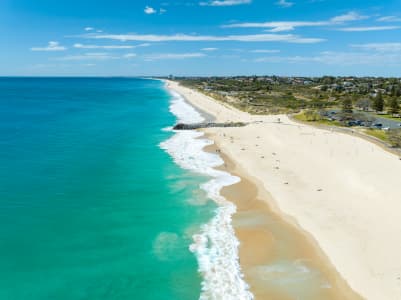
column 394, row 137
column 364, row 103
column 316, row 117
column 391, row 137
column 377, row 133
column 274, row 94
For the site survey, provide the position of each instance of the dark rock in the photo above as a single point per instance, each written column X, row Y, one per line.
column 182, row 126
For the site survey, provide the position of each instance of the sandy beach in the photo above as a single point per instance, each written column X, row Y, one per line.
column 332, row 198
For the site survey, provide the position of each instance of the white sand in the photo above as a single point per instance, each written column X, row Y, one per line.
column 343, row 190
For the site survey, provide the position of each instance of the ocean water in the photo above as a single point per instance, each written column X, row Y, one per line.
column 215, row 246
column 100, row 200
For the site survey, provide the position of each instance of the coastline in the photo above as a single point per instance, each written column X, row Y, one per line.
column 215, row 244
column 323, row 223
column 263, row 231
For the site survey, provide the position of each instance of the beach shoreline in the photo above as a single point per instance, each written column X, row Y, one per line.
column 354, row 260
column 260, row 240
column 215, row 244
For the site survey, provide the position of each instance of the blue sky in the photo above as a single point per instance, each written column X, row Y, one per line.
column 200, row 37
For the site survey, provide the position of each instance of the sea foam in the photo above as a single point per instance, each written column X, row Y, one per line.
column 215, row 246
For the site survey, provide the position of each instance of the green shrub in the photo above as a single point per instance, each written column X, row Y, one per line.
column 394, row 137
column 377, row 133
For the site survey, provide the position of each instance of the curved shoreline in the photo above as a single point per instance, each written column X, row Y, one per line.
column 215, row 245
column 261, row 241
column 328, row 184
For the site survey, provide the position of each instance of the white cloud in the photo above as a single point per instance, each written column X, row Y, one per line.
column 209, row 49
column 97, row 56
column 381, row 47
column 338, row 59
column 389, row 19
column 290, row 38
column 273, row 59
column 350, row 16
column 108, row 47
column 285, row 3
column 130, row 55
column 225, row 2
column 52, row 46
column 92, row 29
column 356, row 58
column 88, row 56
column 280, row 26
column 150, row 10
column 264, row 51
column 369, row 28
column 162, row 56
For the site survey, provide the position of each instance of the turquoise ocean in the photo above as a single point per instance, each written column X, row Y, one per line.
column 95, row 201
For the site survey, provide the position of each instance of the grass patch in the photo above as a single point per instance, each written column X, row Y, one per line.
column 377, row 133
column 394, row 137
column 301, row 117
column 314, row 117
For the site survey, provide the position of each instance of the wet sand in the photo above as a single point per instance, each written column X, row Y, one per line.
column 268, row 239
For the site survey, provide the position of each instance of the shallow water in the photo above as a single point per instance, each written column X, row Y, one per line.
column 90, row 206
column 215, row 246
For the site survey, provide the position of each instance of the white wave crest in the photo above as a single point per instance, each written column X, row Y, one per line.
column 216, row 246
column 183, row 111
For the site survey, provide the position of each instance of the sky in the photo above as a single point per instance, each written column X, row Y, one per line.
column 200, row 37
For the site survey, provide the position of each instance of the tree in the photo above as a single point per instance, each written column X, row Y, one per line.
column 363, row 104
column 328, row 80
column 324, row 88
column 347, row 105
column 394, row 106
column 378, row 103
column 395, row 91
